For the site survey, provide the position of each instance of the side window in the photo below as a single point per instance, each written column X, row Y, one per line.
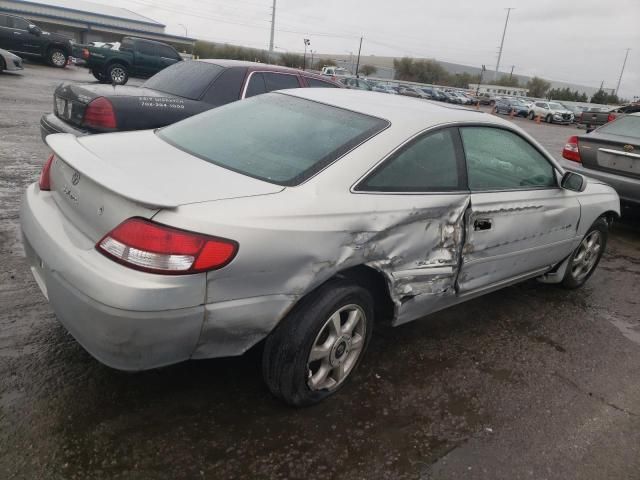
column 18, row 23
column 167, row 52
column 4, row 21
column 280, row 81
column 428, row 164
column 147, row 48
column 498, row 159
column 313, row 82
column 256, row 85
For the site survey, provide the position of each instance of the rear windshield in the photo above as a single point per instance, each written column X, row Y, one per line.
column 275, row 137
column 625, row 126
column 185, row 79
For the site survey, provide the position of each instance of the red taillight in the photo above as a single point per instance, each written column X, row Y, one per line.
column 99, row 114
column 611, row 117
column 571, row 151
column 85, row 53
column 45, row 174
column 156, row 248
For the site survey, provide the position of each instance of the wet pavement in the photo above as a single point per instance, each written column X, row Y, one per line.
column 529, row 382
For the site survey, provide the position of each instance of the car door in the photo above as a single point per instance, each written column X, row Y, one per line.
column 20, row 39
column 422, row 186
column 6, row 33
column 167, row 56
column 520, row 221
column 147, row 59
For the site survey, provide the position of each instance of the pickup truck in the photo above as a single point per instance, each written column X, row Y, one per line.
column 136, row 57
column 596, row 116
column 21, row 37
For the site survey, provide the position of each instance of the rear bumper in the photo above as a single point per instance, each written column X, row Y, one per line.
column 131, row 320
column 628, row 189
column 50, row 124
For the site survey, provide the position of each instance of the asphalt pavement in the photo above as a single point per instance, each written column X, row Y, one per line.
column 533, row 381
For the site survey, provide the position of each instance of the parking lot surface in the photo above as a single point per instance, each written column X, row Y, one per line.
column 529, row 382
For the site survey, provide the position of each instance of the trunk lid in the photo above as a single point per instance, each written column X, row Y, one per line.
column 611, row 153
column 71, row 99
column 101, row 180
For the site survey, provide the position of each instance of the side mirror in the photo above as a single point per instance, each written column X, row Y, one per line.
column 573, row 181
column 34, row 29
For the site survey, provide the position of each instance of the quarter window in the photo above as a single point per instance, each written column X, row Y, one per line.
column 498, row 159
column 313, row 82
column 256, row 85
column 428, row 164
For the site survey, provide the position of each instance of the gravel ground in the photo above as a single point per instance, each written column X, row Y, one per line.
column 529, row 382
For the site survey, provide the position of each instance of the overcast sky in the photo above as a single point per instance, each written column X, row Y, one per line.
column 578, row 41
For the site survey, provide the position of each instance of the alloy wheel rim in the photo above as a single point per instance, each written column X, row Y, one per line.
column 337, row 348
column 117, row 75
column 58, row 59
column 586, row 256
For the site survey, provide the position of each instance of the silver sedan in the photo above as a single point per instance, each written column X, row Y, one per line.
column 299, row 217
column 9, row 61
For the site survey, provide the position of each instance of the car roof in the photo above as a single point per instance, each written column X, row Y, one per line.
column 412, row 112
column 224, row 62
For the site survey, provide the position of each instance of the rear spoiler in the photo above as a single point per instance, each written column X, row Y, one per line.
column 66, row 147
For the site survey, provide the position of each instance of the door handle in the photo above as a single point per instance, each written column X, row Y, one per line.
column 482, row 224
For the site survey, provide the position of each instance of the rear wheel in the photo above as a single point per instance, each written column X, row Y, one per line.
column 316, row 348
column 57, row 58
column 585, row 258
column 100, row 76
column 549, row 119
column 117, row 74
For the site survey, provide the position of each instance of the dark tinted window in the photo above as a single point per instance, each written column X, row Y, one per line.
column 226, row 87
column 147, row 48
column 498, row 159
column 185, row 79
column 167, row 52
column 314, row 82
column 20, row 23
column 279, row 81
column 256, row 85
column 428, row 164
column 4, row 21
column 127, row 44
column 278, row 138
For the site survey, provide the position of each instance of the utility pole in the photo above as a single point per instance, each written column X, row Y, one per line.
column 511, row 74
column 495, row 77
column 273, row 25
column 307, row 42
column 358, row 63
column 622, row 71
column 311, row 59
column 480, row 81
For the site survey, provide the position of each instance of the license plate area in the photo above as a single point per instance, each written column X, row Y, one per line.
column 621, row 162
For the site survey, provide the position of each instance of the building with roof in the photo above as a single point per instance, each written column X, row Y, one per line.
column 85, row 22
column 499, row 89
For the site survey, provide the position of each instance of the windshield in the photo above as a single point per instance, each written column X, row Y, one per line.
column 556, row 106
column 275, row 137
column 626, row 126
column 185, row 79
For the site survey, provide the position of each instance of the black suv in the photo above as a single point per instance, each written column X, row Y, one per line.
column 25, row 39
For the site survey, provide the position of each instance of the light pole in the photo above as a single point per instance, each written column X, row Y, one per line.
column 307, row 42
column 622, row 71
column 495, row 77
column 311, row 59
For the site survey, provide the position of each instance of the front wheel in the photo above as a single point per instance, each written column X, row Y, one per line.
column 57, row 58
column 317, row 347
column 117, row 74
column 531, row 115
column 585, row 258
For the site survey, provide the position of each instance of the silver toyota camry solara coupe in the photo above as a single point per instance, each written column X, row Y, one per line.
column 300, row 217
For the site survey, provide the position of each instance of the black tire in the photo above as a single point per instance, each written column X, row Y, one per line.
column 285, row 366
column 531, row 115
column 100, row 76
column 57, row 58
column 549, row 119
column 117, row 74
column 3, row 66
column 575, row 278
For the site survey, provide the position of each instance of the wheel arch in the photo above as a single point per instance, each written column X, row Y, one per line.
column 59, row 46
